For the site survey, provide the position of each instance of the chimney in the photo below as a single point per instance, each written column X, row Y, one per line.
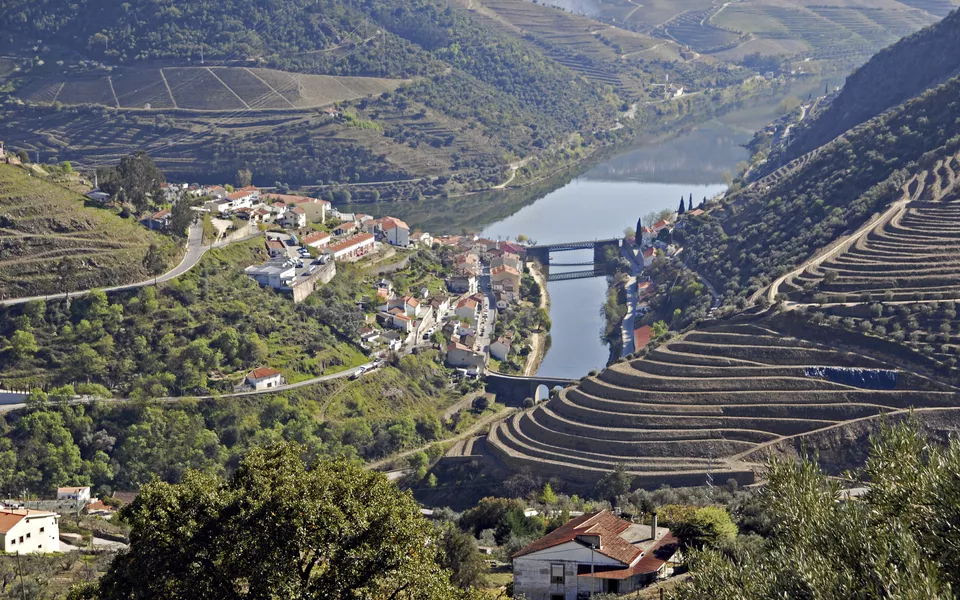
column 653, row 526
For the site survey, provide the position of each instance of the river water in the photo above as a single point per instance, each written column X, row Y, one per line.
column 599, row 203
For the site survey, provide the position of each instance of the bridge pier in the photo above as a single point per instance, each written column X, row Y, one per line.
column 513, row 389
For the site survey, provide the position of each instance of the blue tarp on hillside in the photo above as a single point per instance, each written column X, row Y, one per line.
column 873, row 379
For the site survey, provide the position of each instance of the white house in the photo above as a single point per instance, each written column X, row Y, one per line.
column 393, row 340
column 648, row 255
column 597, row 552
column 264, row 378
column 317, row 239
column 467, row 309
column 275, row 274
column 29, row 531
column 294, row 218
column 459, row 355
column 79, row 495
column 397, row 232
column 352, row 247
column 462, row 281
column 500, row 347
column 411, row 306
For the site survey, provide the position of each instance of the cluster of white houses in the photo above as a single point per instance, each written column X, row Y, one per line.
column 37, row 531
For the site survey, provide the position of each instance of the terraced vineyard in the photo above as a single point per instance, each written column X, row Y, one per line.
column 202, row 88
column 704, row 403
column 50, row 242
column 912, row 253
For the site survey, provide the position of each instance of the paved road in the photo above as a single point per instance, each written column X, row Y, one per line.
column 279, row 388
column 195, row 250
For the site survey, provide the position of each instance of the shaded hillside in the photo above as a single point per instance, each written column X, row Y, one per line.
column 50, row 242
column 765, row 230
column 892, row 76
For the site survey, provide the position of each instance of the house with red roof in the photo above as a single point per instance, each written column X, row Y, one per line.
column 648, row 255
column 592, row 554
column 396, row 231
column 26, row 531
column 264, row 378
column 317, row 239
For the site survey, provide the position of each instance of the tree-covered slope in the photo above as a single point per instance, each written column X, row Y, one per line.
column 893, row 76
column 760, row 232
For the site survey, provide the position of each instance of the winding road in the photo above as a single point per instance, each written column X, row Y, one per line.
column 195, row 251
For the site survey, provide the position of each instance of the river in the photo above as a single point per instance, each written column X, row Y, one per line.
column 599, row 203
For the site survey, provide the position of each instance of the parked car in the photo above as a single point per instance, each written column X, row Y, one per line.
column 358, row 373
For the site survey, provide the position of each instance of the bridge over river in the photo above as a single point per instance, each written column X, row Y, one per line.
column 541, row 253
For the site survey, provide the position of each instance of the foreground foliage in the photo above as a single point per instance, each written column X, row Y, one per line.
column 900, row 540
column 277, row 529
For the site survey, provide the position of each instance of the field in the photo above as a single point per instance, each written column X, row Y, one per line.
column 202, row 88
column 843, row 32
column 709, row 402
column 50, row 242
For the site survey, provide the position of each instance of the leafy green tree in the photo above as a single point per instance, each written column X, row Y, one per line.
column 614, row 484
column 708, row 527
column 277, row 529
column 136, row 179
column 899, row 540
column 462, row 557
column 23, row 344
column 47, row 456
column 548, row 496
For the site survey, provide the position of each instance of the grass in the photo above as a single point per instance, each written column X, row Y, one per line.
column 44, row 228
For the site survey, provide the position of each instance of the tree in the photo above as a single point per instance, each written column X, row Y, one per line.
column 548, row 496
column 481, row 403
column 277, row 529
column 462, row 557
column 244, row 178
column 614, row 484
column 896, row 541
column 683, row 207
column 708, row 527
column 23, row 344
column 182, row 216
column 690, row 204
column 136, row 179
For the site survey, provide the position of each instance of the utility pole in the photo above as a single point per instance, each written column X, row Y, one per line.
column 23, row 590
column 593, row 581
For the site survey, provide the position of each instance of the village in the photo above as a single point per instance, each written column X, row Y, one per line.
column 306, row 238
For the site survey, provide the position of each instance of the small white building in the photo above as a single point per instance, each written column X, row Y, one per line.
column 396, row 231
column 352, row 247
column 317, row 239
column 264, row 378
column 467, row 309
column 79, row 495
column 275, row 274
column 29, row 531
column 294, row 218
column 500, row 348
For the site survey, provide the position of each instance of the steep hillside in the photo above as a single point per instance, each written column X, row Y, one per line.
column 891, row 77
column 477, row 91
column 763, row 231
column 50, row 242
column 710, row 402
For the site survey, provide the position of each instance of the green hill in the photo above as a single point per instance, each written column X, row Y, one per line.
column 50, row 242
column 893, row 76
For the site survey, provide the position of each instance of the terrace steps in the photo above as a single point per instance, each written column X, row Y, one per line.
column 698, row 401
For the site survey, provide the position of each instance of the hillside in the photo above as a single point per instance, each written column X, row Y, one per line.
column 443, row 96
column 713, row 401
column 891, row 77
column 50, row 242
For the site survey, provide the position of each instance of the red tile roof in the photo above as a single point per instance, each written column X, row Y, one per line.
column 389, row 223
column 261, row 372
column 9, row 518
column 602, row 523
column 504, row 269
column 294, row 199
column 356, row 240
column 316, row 236
column 649, row 252
column 651, row 562
column 696, row 212
column 660, row 224
column 642, row 337
column 160, row 214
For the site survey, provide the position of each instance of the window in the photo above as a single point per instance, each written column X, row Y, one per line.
column 21, row 539
column 41, row 529
column 556, row 574
column 28, row 536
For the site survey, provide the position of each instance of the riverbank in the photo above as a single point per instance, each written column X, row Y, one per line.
column 538, row 341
